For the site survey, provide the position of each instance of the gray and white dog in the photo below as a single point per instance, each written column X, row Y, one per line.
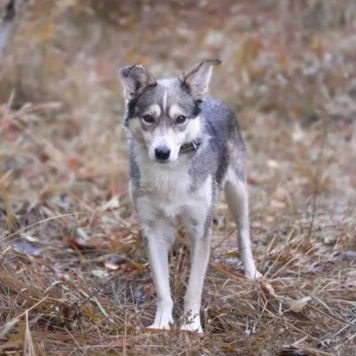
column 183, row 150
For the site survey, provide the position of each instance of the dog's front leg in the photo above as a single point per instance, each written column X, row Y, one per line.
column 158, row 240
column 192, row 300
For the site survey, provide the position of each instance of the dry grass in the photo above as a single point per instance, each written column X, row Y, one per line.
column 74, row 278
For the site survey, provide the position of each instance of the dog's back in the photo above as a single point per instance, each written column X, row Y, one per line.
column 225, row 148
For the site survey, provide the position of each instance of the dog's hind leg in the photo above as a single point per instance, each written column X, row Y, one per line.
column 158, row 240
column 237, row 199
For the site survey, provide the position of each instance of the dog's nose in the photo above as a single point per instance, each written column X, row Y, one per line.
column 162, row 153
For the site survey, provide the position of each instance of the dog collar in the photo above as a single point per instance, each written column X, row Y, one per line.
column 190, row 147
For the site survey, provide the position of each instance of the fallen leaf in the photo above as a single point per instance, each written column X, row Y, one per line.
column 78, row 243
column 26, row 247
column 140, row 295
column 149, row 288
column 292, row 351
column 299, row 305
column 72, row 163
column 100, row 273
column 113, row 263
column 124, row 342
column 317, row 267
column 268, row 288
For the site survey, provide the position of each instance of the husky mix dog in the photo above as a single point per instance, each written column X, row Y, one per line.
column 184, row 149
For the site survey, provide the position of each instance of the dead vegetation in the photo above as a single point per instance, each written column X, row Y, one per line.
column 74, row 278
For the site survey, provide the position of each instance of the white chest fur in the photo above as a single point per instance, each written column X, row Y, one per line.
column 166, row 192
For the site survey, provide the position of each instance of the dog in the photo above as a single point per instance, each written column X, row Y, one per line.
column 183, row 149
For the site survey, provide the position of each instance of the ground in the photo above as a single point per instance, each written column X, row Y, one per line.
column 74, row 277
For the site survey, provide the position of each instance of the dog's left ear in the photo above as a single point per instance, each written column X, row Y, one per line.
column 135, row 79
column 198, row 77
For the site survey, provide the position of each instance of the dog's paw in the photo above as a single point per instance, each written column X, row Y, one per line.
column 163, row 317
column 193, row 327
column 156, row 326
column 253, row 274
column 191, row 320
column 162, row 322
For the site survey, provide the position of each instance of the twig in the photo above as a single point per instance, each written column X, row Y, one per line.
column 8, row 326
column 317, row 174
column 223, row 240
column 230, row 275
column 43, row 221
column 28, row 348
column 328, row 338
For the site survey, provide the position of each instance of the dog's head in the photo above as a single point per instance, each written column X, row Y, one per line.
column 164, row 114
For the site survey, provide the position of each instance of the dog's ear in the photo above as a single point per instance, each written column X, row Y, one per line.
column 135, row 79
column 198, row 77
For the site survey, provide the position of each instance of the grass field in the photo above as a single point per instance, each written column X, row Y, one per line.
column 74, row 277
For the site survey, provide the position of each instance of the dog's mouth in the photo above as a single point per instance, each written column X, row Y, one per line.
column 162, row 161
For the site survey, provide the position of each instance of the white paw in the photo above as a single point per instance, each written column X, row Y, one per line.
column 163, row 317
column 160, row 326
column 252, row 274
column 194, row 327
column 162, row 321
column 192, row 323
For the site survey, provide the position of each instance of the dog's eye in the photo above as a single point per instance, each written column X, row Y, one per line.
column 148, row 119
column 181, row 119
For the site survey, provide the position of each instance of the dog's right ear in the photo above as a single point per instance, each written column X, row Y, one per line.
column 135, row 79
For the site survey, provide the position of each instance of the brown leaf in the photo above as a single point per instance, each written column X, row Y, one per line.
column 72, row 163
column 268, row 288
column 113, row 263
column 299, row 305
column 124, row 342
column 78, row 243
column 292, row 351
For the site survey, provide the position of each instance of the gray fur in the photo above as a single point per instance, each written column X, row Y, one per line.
column 134, row 167
column 177, row 94
column 223, row 145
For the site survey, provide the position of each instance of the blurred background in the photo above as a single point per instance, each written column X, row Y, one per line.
column 288, row 71
column 288, row 68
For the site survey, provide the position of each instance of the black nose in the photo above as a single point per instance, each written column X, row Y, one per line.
column 162, row 153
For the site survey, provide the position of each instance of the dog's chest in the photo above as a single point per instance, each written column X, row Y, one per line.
column 168, row 191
